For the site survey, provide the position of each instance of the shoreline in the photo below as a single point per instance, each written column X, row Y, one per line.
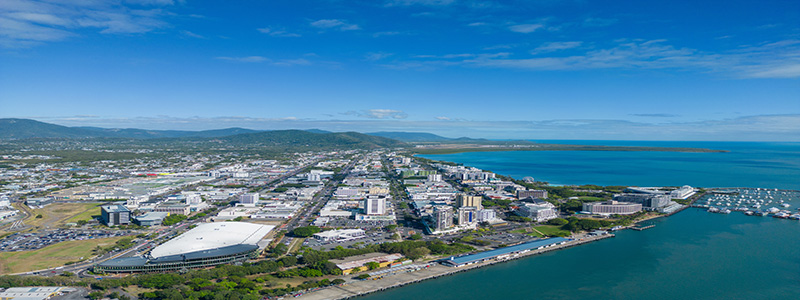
column 455, row 150
column 436, row 270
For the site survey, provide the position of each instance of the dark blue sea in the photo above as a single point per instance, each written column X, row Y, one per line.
column 691, row 255
column 748, row 164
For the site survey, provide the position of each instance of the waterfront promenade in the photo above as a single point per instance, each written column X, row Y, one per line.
column 363, row 287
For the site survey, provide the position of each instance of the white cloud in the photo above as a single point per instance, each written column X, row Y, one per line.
column 770, row 60
column 374, row 56
column 261, row 59
column 525, row 28
column 419, row 2
column 277, row 32
column 598, row 22
column 555, row 46
column 247, row 59
column 334, row 24
column 26, row 23
column 385, row 33
column 192, row 34
column 443, row 118
column 378, row 114
column 151, row 2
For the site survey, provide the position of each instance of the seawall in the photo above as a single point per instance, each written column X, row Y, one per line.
column 364, row 287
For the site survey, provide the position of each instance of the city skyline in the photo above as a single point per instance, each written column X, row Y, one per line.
column 671, row 70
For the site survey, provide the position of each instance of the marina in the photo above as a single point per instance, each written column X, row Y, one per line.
column 752, row 202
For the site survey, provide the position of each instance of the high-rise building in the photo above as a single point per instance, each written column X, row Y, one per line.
column 443, row 218
column 467, row 215
column 249, row 199
column 487, row 215
column 435, row 177
column 113, row 215
column 463, row 200
column 375, row 205
column 314, row 177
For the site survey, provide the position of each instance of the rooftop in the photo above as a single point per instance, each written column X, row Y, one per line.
column 360, row 260
column 209, row 236
column 115, row 208
column 505, row 250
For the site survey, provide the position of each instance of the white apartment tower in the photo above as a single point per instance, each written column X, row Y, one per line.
column 375, row 206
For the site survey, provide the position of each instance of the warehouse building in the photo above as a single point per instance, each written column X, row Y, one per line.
column 501, row 253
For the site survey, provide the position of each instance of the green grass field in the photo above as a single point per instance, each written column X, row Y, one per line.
column 552, row 230
column 50, row 256
column 58, row 214
column 86, row 215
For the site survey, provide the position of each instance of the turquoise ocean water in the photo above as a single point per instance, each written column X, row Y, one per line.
column 691, row 255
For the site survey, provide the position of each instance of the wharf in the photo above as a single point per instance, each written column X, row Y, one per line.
column 643, row 227
column 435, row 270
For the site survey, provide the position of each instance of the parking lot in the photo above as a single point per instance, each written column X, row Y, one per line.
column 33, row 241
column 342, row 222
column 371, row 238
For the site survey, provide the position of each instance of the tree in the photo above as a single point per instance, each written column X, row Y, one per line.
column 337, row 281
column 39, row 216
column 391, row 227
column 288, row 261
column 418, row 253
column 558, row 221
column 173, row 219
column 99, row 295
column 416, row 236
column 373, row 265
column 305, row 231
column 362, row 276
column 356, row 270
column 279, row 249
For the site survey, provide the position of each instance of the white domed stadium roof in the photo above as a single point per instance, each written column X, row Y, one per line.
column 208, row 236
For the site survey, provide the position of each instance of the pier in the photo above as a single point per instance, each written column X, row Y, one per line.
column 640, row 228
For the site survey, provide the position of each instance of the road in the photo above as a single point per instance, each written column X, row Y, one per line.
column 307, row 212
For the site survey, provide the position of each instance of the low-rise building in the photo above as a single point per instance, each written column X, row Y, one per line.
column 542, row 194
column 340, row 235
column 37, row 202
column 348, row 264
column 174, row 208
column 537, row 212
column 150, row 219
column 612, row 208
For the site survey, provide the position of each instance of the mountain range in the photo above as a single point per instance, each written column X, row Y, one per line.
column 18, row 129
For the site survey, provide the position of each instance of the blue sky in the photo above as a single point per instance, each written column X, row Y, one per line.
column 650, row 70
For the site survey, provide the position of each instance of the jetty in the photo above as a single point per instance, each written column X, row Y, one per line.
column 640, row 228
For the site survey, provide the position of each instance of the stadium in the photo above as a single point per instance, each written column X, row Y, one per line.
column 206, row 245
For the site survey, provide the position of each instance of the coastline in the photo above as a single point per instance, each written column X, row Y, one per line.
column 436, row 270
column 444, row 149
